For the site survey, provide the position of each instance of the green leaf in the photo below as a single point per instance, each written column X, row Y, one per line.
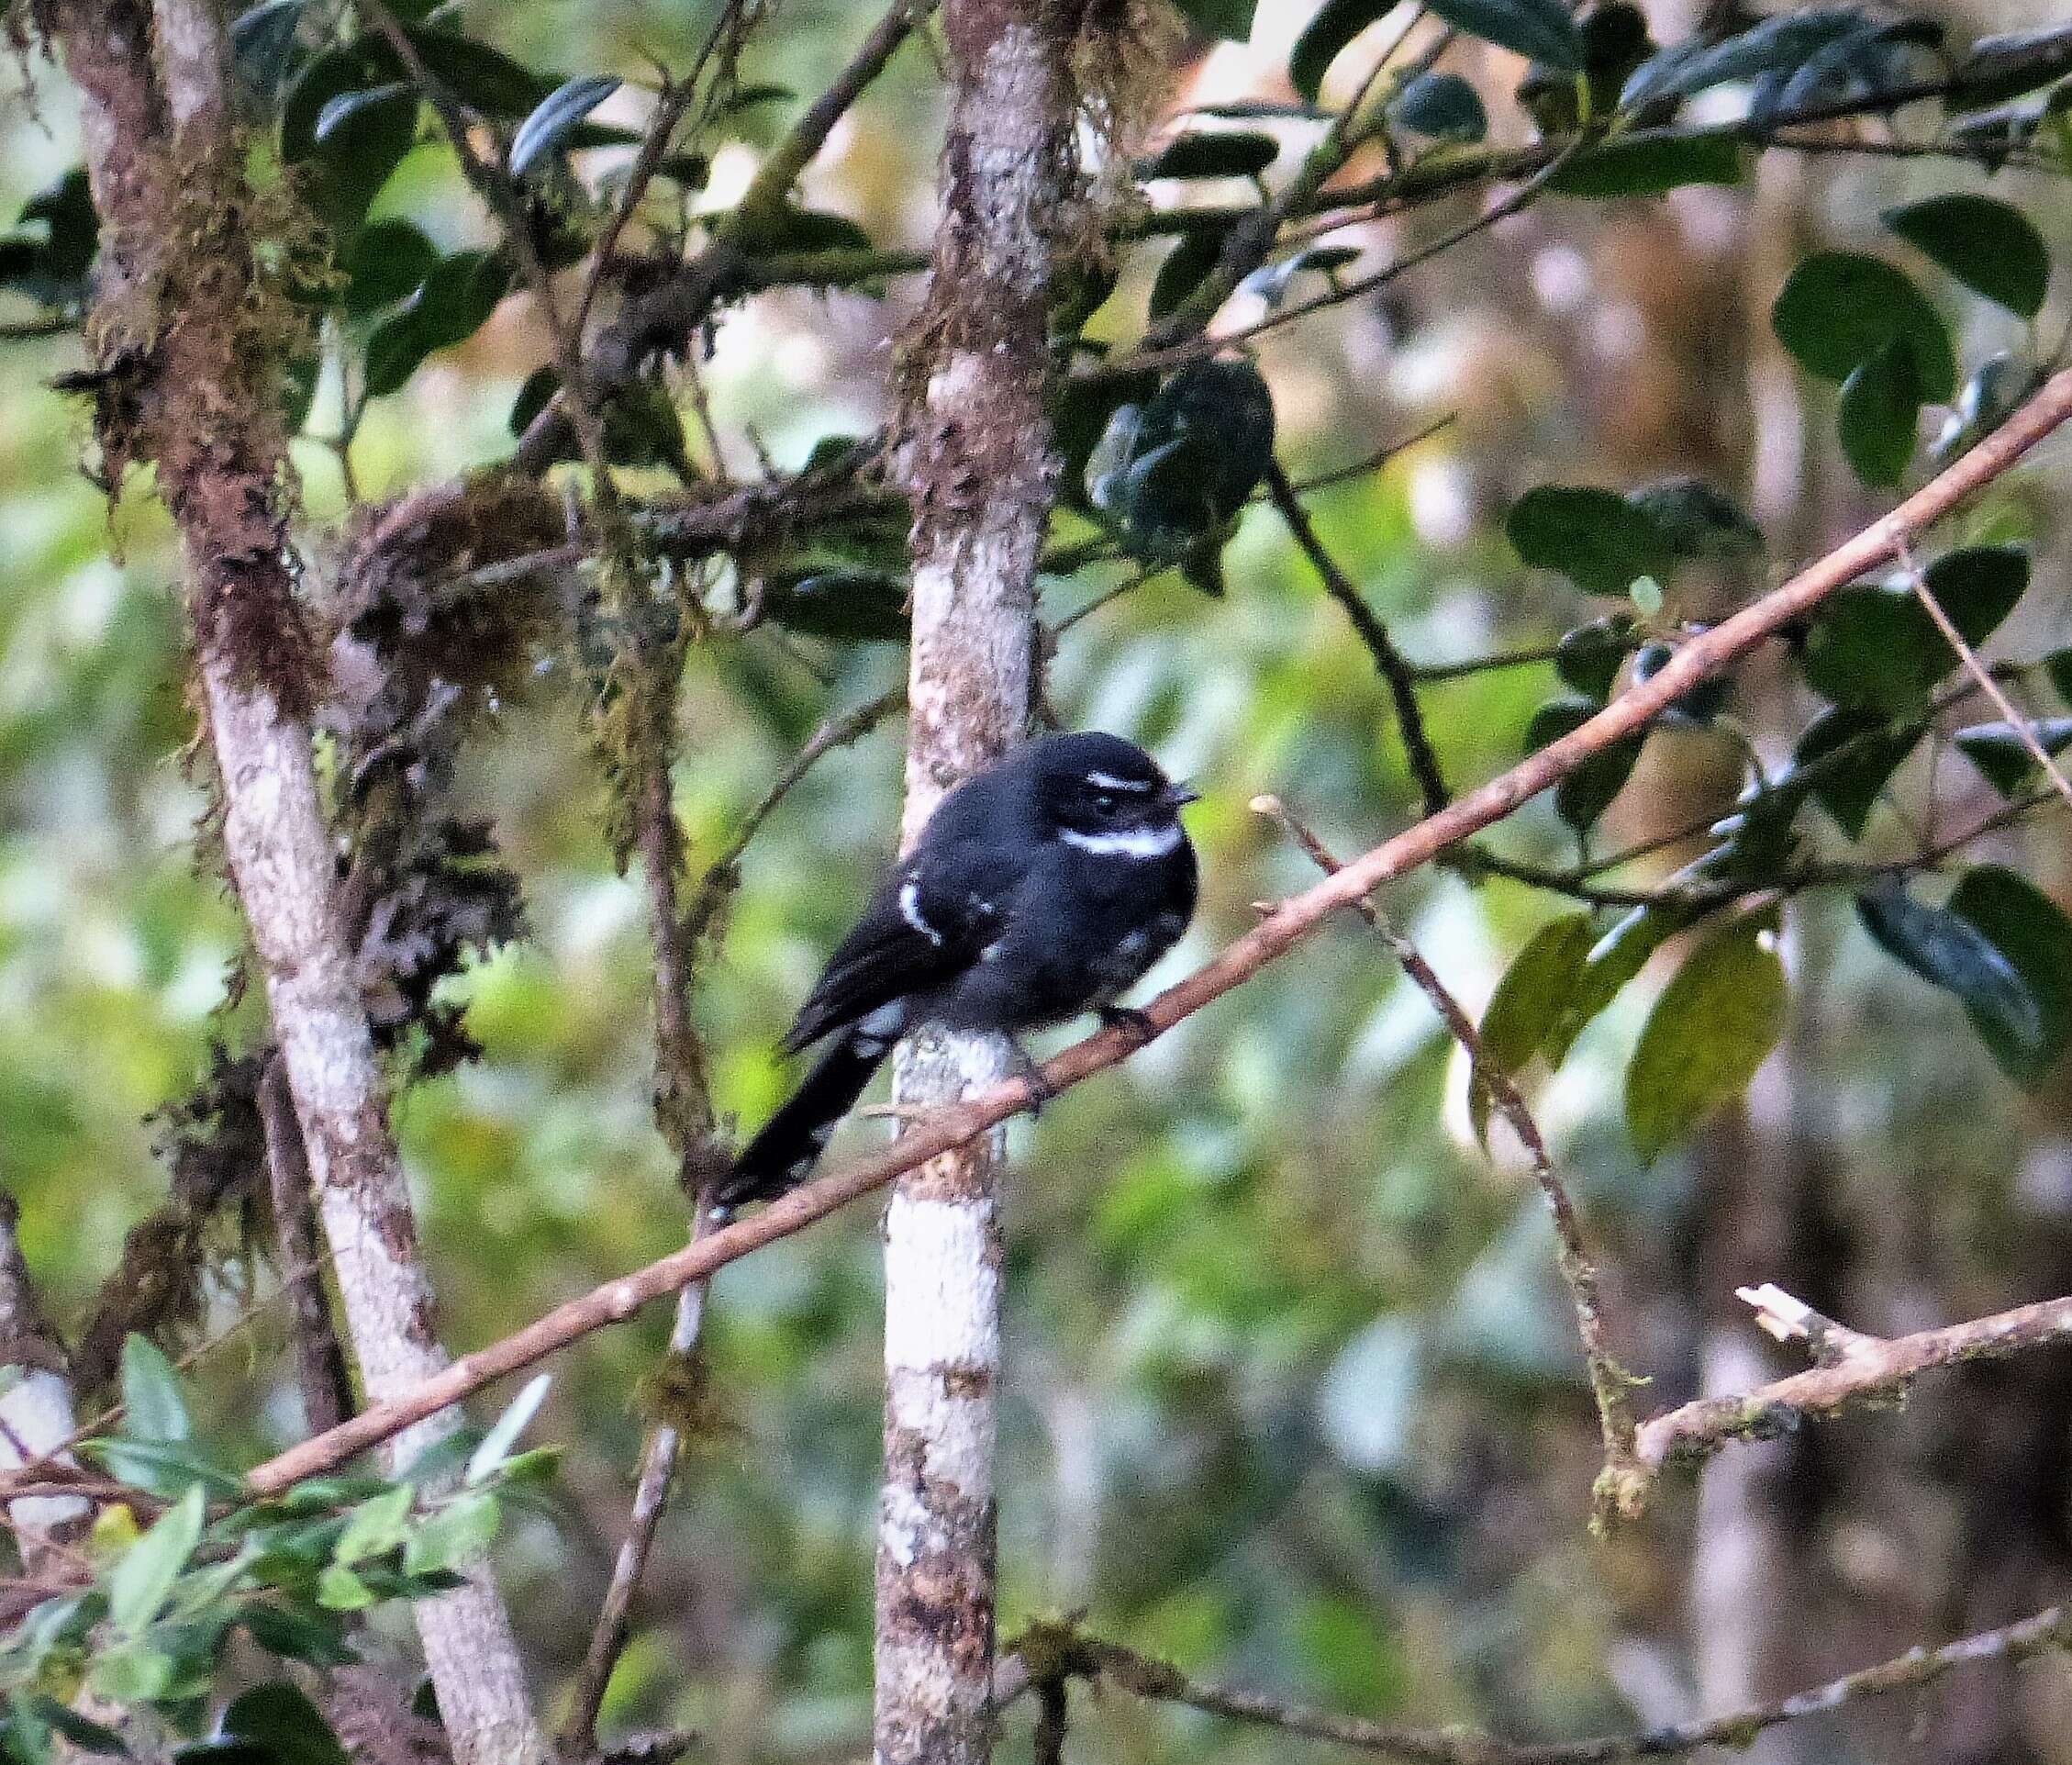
column 339, row 1589
column 263, row 47
column 482, row 77
column 2033, row 936
column 280, row 1716
column 1185, row 268
column 1878, row 420
column 853, row 606
column 1877, row 648
column 1779, row 45
column 141, row 1582
column 457, row 1531
column 782, row 230
column 1595, row 537
column 1442, row 105
column 168, row 1471
column 1849, row 785
column 1541, row 30
column 375, row 1526
column 1646, row 165
column 1586, row 791
column 1332, row 26
column 1990, row 248
column 365, row 137
column 542, row 133
column 387, row 261
column 152, row 1406
column 2007, row 66
column 1949, row 951
column 1837, row 310
column 1229, row 18
column 1177, row 471
column 488, row 1457
column 85, row 1733
column 2001, row 755
column 1589, row 657
column 130, row 1674
column 1230, row 154
column 296, row 1634
column 451, row 305
column 1529, row 1002
column 1714, row 1026
column 1698, row 521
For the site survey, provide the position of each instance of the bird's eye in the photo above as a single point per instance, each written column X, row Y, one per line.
column 1104, row 802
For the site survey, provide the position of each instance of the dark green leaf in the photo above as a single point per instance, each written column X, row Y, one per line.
column 1231, row 18
column 854, row 606
column 167, row 1472
column 1232, row 154
column 263, row 47
column 1529, row 1002
column 1779, row 45
column 152, row 1406
column 1541, row 30
column 2002, row 756
column 1990, row 248
column 1185, row 268
column 386, row 263
column 1714, row 1026
column 363, row 141
column 85, row 1733
column 1840, row 308
column 141, row 1581
column 542, row 133
column 482, row 78
column 222, row 1752
column 1878, row 420
column 2007, row 66
column 781, row 229
column 2058, row 664
column 1442, row 105
column 280, row 1716
column 1586, row 791
column 1950, row 951
column 1080, row 413
column 1646, row 165
column 1977, row 587
column 1698, row 521
column 1875, row 56
column 1179, row 470
column 1878, row 648
column 1589, row 657
column 2033, row 936
column 1849, row 783
column 335, row 120
column 1333, row 26
column 1616, row 958
column 452, row 303
column 1595, row 537
column 296, row 1635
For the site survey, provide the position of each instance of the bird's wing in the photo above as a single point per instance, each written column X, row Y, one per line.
column 928, row 923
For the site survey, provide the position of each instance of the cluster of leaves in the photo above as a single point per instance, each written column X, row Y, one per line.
column 145, row 1629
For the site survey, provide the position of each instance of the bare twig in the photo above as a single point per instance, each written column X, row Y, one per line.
column 1395, row 671
column 1163, row 1683
column 1917, row 579
column 1852, row 1370
column 1279, row 931
column 320, row 1368
column 1609, row 1382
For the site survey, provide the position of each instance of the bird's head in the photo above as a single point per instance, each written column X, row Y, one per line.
column 1106, row 794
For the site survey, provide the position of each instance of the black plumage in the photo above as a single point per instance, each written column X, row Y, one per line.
column 1044, row 886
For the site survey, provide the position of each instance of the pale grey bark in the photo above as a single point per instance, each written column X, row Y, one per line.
column 36, row 1412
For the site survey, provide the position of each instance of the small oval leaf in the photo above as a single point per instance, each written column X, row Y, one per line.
column 1989, row 247
column 545, row 131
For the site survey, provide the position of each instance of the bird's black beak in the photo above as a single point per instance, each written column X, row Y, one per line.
column 1179, row 796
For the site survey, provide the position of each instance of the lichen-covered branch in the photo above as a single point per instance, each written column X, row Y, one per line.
column 1851, row 1368
column 189, row 336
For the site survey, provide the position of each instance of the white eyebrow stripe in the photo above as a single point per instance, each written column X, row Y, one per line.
column 910, row 911
column 1108, row 781
column 1130, row 842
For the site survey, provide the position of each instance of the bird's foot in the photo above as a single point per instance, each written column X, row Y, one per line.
column 1024, row 1065
column 1129, row 1018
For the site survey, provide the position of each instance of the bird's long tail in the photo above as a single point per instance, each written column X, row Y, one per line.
column 782, row 1154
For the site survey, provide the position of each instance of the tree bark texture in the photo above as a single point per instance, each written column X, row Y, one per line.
column 36, row 1412
column 189, row 339
column 980, row 469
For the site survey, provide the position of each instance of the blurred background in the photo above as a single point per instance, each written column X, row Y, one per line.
column 1292, row 1391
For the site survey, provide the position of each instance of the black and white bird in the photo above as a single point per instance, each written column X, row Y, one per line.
column 1041, row 887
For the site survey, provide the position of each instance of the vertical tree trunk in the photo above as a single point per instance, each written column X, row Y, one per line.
column 182, row 329
column 980, row 473
column 36, row 1413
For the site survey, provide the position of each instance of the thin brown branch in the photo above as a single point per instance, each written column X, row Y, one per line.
column 1611, row 1383
column 1856, row 1369
column 1287, row 925
column 1159, row 1683
column 320, row 1370
column 1395, row 670
column 1917, row 579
